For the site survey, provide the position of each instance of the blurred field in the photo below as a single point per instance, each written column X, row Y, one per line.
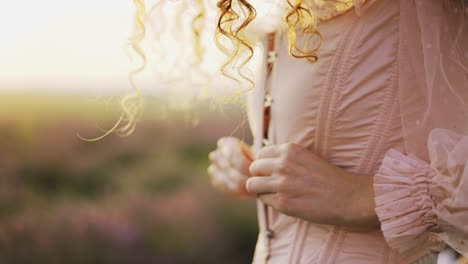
column 141, row 199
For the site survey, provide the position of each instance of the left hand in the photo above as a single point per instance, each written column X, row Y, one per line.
column 298, row 183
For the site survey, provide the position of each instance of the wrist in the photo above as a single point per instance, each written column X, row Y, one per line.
column 360, row 214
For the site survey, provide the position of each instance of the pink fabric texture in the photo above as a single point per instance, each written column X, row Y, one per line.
column 418, row 202
column 387, row 98
column 362, row 5
column 423, row 196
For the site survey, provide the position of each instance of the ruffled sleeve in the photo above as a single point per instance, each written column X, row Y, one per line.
column 419, row 202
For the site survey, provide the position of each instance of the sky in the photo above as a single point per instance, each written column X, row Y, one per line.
column 64, row 45
column 78, row 46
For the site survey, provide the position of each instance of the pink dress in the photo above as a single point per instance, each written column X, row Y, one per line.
column 345, row 108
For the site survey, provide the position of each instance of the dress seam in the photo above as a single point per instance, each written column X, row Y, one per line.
column 325, row 101
column 298, row 242
column 301, row 248
column 292, row 249
column 324, row 125
column 386, row 255
column 380, row 130
column 340, row 237
column 381, row 126
column 328, row 98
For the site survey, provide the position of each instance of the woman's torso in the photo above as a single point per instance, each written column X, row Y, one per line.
column 345, row 109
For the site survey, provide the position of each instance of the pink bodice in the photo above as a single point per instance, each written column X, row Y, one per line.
column 344, row 108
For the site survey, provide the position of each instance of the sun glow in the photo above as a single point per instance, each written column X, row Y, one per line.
column 79, row 47
column 63, row 45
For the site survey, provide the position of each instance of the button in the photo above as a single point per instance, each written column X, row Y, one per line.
column 269, row 233
column 268, row 101
column 272, row 56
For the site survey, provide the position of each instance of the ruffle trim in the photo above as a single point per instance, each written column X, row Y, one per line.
column 404, row 205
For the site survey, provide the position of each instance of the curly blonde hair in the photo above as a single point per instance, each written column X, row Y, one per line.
column 236, row 15
column 132, row 104
column 233, row 18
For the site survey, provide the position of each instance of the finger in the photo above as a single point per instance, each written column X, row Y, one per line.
column 262, row 167
column 219, row 179
column 221, row 142
column 235, row 152
column 218, row 159
column 213, row 173
column 270, row 151
column 237, row 177
column 227, row 141
column 261, row 185
column 211, row 156
column 240, row 162
column 237, row 181
column 228, row 146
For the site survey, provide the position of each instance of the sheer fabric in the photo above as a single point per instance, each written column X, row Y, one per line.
column 422, row 195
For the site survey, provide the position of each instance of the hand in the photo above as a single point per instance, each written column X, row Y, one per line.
column 229, row 169
column 298, row 183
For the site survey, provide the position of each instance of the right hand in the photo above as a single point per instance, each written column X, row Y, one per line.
column 229, row 169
